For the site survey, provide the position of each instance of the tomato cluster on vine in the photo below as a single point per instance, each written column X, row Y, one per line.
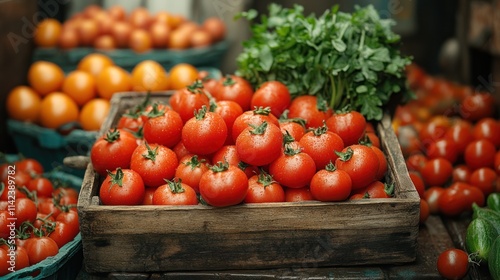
column 220, row 142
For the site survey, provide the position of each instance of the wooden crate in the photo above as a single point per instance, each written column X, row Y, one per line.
column 249, row 236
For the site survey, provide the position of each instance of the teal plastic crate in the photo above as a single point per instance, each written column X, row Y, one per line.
column 49, row 146
column 211, row 56
column 68, row 262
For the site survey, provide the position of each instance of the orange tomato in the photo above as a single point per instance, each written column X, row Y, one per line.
column 57, row 109
column 94, row 63
column 182, row 75
column 140, row 40
column 47, row 33
column 94, row 113
column 149, row 75
column 80, row 86
column 113, row 79
column 23, row 104
column 45, row 77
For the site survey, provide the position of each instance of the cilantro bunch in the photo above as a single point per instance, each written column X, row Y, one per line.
column 351, row 60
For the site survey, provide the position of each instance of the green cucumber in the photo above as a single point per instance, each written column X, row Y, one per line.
column 493, row 202
column 487, row 214
column 494, row 259
column 479, row 238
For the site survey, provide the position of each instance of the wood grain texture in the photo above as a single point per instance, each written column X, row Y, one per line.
column 269, row 235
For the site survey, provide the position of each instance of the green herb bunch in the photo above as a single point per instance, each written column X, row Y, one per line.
column 351, row 60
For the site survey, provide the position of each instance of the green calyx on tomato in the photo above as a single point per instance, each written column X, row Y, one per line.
column 290, row 151
column 365, row 140
column 260, row 129
column 243, row 165
column 151, row 154
column 220, row 166
column 228, row 81
column 194, row 162
column 389, row 189
column 287, row 138
column 155, row 112
column 201, row 113
column 330, row 167
column 265, row 179
column 139, row 134
column 345, row 156
column 262, row 111
column 117, row 178
column 112, row 135
column 175, row 186
column 318, row 131
column 196, row 87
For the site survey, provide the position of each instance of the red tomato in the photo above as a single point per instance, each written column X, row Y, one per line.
column 154, row 163
column 113, row 150
column 175, row 193
column 49, row 206
column 25, row 210
column 452, row 201
column 4, row 224
column 436, row 172
column 418, row 182
column 433, row 130
column 190, row 169
column 453, row 264
column 29, row 165
column 205, row 133
column 254, row 117
column 480, row 153
column 331, row 184
column 223, row 185
column 460, row 133
column 42, row 186
column 489, row 129
column 186, row 100
column 361, row 163
column 122, row 187
column 432, row 195
column 313, row 109
column 236, row 89
column 63, row 234
column 229, row 154
column 262, row 188
column 372, row 138
column 293, row 127
column 416, row 161
column 496, row 162
column 376, row 189
column 261, row 145
column 163, row 127
column 272, row 94
column 477, row 106
column 297, row 195
column 130, row 121
column 293, row 168
column 19, row 179
column 13, row 254
column 485, row 179
column 229, row 111
column 180, row 150
column 349, row 126
column 443, row 148
column 40, row 248
column 70, row 218
column 461, row 173
column 383, row 167
column 322, row 146
column 148, row 196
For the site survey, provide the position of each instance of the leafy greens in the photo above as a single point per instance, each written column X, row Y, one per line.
column 351, row 59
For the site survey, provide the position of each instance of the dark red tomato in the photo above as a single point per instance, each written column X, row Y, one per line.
column 372, row 138
column 383, row 166
column 418, row 182
column 432, row 195
column 272, row 94
column 442, row 148
column 148, row 196
column 424, row 211
column 63, row 233
column 331, row 184
column 113, row 150
column 452, row 201
column 297, row 195
column 485, row 179
column 496, row 162
column 262, row 188
column 293, row 168
column 205, row 133
column 261, row 145
column 49, row 206
column 378, row 189
column 65, row 191
column 434, row 130
column 209, row 84
column 17, row 254
column 30, row 166
column 461, row 173
column 477, row 106
column 229, row 154
column 349, row 126
column 122, row 187
column 294, row 128
column 436, row 172
column 311, row 108
column 25, row 210
column 223, row 185
column 236, row 89
column 154, row 163
column 453, row 264
column 229, row 111
column 480, row 153
column 163, row 128
column 357, row 196
column 460, row 133
column 180, row 150
column 130, row 121
column 322, row 145
column 40, row 248
column 416, row 161
column 70, row 218
column 145, row 113
column 489, row 129
column 42, row 186
column 472, row 195
column 190, row 169
column 4, row 224
column 254, row 117
column 175, row 193
column 361, row 163
column 185, row 101
column 4, row 260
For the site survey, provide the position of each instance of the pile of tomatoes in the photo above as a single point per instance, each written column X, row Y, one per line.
column 451, row 141
column 139, row 30
column 53, row 98
column 44, row 210
column 221, row 142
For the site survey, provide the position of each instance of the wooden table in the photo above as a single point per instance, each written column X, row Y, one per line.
column 434, row 237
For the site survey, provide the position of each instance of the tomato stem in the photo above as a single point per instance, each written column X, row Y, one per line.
column 330, row 167
column 260, row 129
column 345, row 156
column 116, row 178
column 175, row 186
column 264, row 178
column 287, row 138
column 365, row 140
column 318, row 131
column 155, row 112
column 220, row 166
column 290, row 151
column 201, row 113
column 151, row 154
column 262, row 110
column 228, row 81
column 112, row 135
column 195, row 87
column 389, row 189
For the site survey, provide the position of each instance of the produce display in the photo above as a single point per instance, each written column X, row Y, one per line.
column 54, row 99
column 44, row 208
column 139, row 30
